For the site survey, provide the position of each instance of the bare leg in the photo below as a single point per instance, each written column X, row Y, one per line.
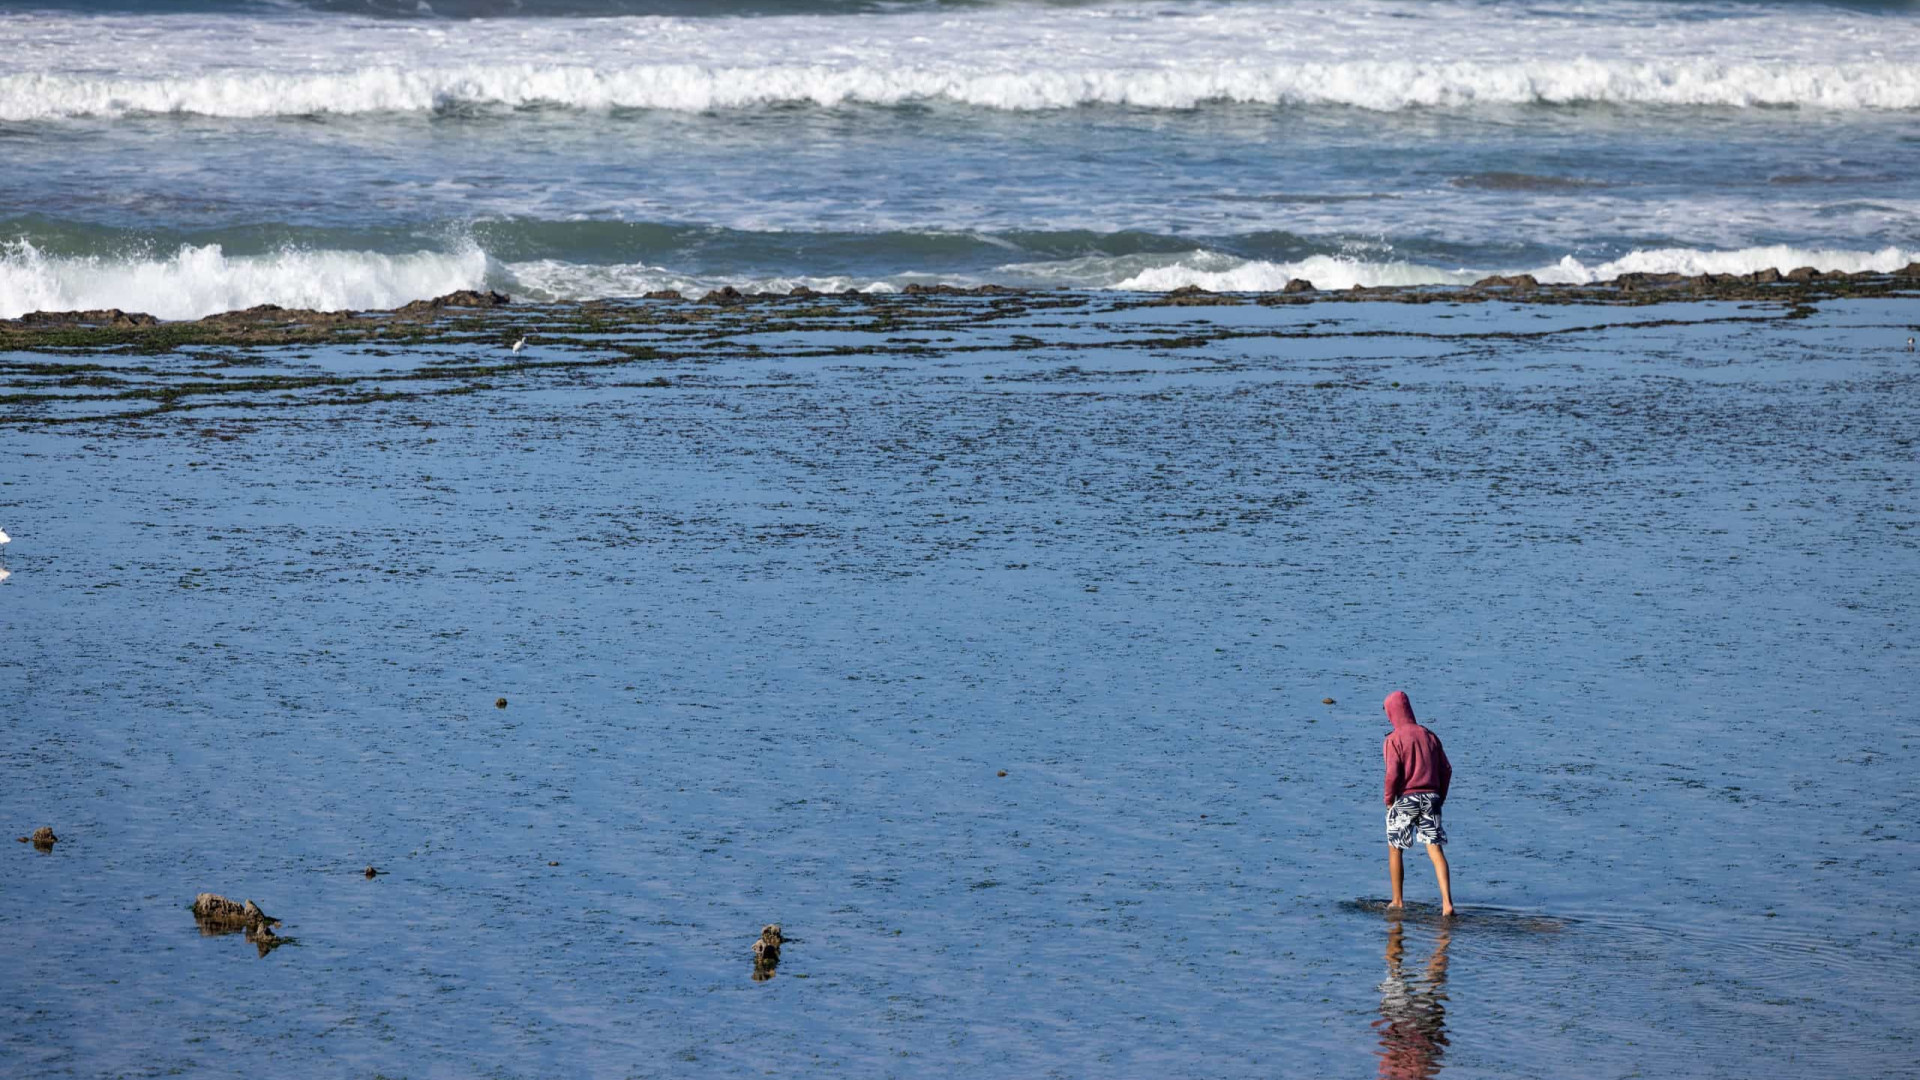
column 1442, row 874
column 1397, row 871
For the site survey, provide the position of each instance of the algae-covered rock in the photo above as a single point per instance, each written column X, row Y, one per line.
column 42, row 838
column 98, row 317
column 767, row 945
column 463, row 298
column 216, row 910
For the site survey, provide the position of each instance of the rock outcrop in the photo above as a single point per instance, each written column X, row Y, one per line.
column 463, row 298
column 98, row 317
column 275, row 315
column 943, row 289
column 42, row 839
column 212, row 908
column 1508, row 281
column 766, row 952
column 219, row 916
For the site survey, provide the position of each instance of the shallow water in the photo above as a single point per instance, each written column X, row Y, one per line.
column 769, row 625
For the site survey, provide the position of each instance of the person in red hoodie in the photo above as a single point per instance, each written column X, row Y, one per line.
column 1417, row 777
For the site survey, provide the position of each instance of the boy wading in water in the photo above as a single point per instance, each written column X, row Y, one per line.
column 1417, row 777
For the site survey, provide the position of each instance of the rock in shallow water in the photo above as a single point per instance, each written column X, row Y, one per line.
column 216, row 910
column 42, row 838
column 1508, row 281
column 97, row 317
column 471, row 298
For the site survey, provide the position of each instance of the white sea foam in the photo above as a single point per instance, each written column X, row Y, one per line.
column 1377, row 85
column 1220, row 273
column 1210, row 271
column 1371, row 54
column 553, row 279
column 199, row 281
column 1744, row 261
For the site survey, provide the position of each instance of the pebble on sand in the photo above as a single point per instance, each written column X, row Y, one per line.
column 371, row 872
column 1003, row 772
column 500, row 703
column 1326, row 701
column 42, row 837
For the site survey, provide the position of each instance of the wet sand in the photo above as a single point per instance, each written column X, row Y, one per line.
column 777, row 589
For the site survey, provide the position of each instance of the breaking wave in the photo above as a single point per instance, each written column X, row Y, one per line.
column 200, row 280
column 1221, row 273
column 1149, row 54
column 1374, row 85
column 203, row 280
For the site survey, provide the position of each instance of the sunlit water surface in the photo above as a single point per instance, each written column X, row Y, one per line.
column 769, row 628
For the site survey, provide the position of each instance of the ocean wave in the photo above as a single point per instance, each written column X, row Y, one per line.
column 1691, row 261
column 196, row 281
column 555, row 279
column 1374, row 85
column 1219, row 273
column 552, row 279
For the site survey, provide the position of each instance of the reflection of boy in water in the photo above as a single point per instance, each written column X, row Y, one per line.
column 1418, row 774
column 1413, row 1015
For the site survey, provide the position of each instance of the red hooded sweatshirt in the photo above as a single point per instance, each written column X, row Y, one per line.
column 1415, row 761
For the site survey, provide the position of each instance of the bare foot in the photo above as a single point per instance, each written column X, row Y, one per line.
column 1447, row 912
column 1394, row 905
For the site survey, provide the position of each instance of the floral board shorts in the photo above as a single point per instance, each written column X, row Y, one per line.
column 1415, row 815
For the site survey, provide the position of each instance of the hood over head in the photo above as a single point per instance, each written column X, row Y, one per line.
column 1400, row 709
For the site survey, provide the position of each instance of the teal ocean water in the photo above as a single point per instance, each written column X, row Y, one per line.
column 189, row 158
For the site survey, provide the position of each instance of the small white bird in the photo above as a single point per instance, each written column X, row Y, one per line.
column 1909, row 349
column 4, row 538
column 518, row 345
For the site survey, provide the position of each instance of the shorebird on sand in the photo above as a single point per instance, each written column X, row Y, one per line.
column 5, row 539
